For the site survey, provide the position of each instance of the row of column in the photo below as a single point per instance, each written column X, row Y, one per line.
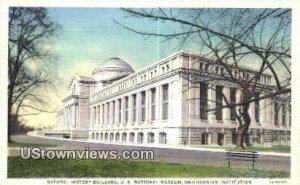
column 142, row 107
column 71, row 116
column 262, row 116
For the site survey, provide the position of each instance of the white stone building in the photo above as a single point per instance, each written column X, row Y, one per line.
column 165, row 103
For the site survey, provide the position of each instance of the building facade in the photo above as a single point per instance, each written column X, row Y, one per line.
column 168, row 102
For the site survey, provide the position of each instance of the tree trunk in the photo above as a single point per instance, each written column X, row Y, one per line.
column 240, row 138
column 243, row 127
column 9, row 113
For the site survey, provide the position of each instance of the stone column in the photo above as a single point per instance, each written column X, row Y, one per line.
column 73, row 115
column 226, row 111
column 252, row 113
column 66, row 117
column 158, row 103
column 130, row 109
column 147, row 106
column 138, row 108
column 211, row 96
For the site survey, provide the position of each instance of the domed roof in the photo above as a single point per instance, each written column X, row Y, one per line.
column 111, row 69
column 115, row 63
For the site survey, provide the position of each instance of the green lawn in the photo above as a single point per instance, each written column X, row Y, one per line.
column 16, row 144
column 21, row 168
column 278, row 149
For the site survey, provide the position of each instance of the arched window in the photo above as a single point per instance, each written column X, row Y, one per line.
column 140, row 137
column 111, row 136
column 106, row 136
column 221, row 138
column 131, row 137
column 124, row 136
column 101, row 136
column 93, row 136
column 150, row 137
column 117, row 136
column 205, row 138
column 97, row 136
column 162, row 138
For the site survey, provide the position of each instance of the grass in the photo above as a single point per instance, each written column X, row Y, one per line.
column 278, row 149
column 16, row 144
column 31, row 168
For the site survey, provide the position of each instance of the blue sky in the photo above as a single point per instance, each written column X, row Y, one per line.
column 91, row 35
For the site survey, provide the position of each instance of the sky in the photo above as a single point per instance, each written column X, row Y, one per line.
column 88, row 36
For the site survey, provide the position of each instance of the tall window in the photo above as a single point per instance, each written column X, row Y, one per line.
column 276, row 110
column 107, row 112
column 256, row 108
column 94, row 116
column 113, row 111
column 290, row 115
column 120, row 110
column 134, row 108
column 143, row 105
column 126, row 109
column 219, row 102
column 283, row 116
column 232, row 101
column 153, row 103
column 165, row 95
column 99, row 112
column 203, row 100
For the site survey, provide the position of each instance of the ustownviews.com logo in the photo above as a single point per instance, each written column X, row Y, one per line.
column 41, row 153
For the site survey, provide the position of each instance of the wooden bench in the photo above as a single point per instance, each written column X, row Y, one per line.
column 248, row 156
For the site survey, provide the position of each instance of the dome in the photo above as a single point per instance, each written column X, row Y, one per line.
column 115, row 63
column 112, row 68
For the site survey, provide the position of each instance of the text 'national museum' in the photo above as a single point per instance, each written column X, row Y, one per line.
column 162, row 104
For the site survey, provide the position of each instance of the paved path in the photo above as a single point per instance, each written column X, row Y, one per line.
column 208, row 158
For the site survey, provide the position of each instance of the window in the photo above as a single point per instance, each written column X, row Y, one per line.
column 153, row 103
column 134, row 108
column 120, row 110
column 117, row 136
column 111, row 137
column 233, row 101
column 131, row 137
column 143, row 105
column 165, row 95
column 219, row 102
column 126, row 109
column 203, row 100
column 221, row 138
column 124, row 136
column 103, row 114
column 140, row 138
column 276, row 110
column 283, row 115
column 94, row 115
column 290, row 115
column 256, row 102
column 113, row 111
column 107, row 112
column 162, row 138
column 206, row 67
column 150, row 137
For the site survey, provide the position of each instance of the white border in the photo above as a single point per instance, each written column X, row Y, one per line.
column 294, row 4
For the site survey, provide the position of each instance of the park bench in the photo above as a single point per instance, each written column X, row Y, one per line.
column 247, row 156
